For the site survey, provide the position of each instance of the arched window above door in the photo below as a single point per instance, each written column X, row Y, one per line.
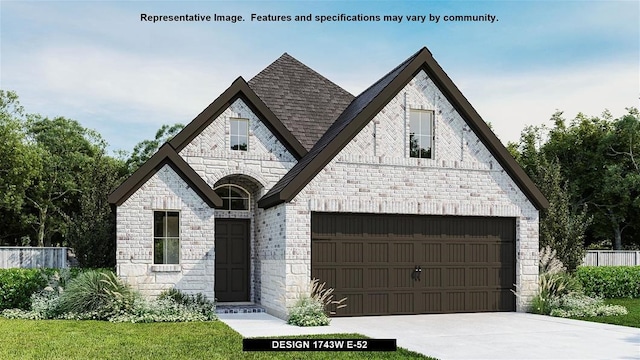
column 233, row 197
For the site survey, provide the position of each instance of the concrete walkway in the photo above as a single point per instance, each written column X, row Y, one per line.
column 470, row 336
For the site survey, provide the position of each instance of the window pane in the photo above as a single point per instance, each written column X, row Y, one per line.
column 243, row 127
column 226, row 204
column 158, row 251
column 414, row 149
column 239, row 204
column 236, row 193
column 158, row 223
column 414, row 122
column 425, row 124
column 421, row 133
column 239, row 137
column 425, row 146
column 222, row 192
column 172, row 251
column 173, row 224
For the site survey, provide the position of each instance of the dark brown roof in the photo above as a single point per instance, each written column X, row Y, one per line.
column 238, row 89
column 166, row 155
column 368, row 104
column 306, row 102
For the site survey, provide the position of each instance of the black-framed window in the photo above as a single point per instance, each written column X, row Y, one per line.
column 233, row 197
column 166, row 237
column 239, row 137
column 421, row 133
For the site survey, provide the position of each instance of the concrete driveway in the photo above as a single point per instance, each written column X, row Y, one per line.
column 470, row 336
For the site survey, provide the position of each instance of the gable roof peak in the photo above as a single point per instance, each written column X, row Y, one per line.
column 306, row 102
column 362, row 110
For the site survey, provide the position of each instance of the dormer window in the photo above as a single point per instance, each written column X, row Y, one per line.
column 421, row 134
column 233, row 197
column 239, row 135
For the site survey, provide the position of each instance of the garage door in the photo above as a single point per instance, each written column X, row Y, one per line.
column 404, row 264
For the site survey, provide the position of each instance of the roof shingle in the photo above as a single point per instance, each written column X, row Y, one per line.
column 306, row 102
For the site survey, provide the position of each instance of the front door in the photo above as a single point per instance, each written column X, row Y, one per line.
column 232, row 260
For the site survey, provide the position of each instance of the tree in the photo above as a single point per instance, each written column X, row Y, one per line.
column 562, row 224
column 92, row 231
column 146, row 148
column 598, row 154
column 65, row 149
column 18, row 161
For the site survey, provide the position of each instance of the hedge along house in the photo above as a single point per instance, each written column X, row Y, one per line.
column 402, row 199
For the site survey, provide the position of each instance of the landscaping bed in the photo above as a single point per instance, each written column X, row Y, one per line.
column 631, row 319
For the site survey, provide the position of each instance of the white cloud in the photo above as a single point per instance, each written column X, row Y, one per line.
column 512, row 101
column 88, row 78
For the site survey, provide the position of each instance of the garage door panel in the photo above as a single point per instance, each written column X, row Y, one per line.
column 430, row 252
column 454, row 277
column 402, row 276
column 478, row 276
column 378, row 277
column 431, row 302
column 350, row 278
column 402, row 252
column 377, row 303
column 454, row 252
column 325, row 252
column 378, row 252
column 351, row 252
column 478, row 253
column 354, row 303
column 404, row 303
column 455, row 301
column 467, row 263
column 432, row 277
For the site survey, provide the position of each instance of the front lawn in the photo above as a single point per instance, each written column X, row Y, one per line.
column 631, row 319
column 68, row 339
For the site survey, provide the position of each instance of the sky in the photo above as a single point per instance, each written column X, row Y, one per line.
column 98, row 63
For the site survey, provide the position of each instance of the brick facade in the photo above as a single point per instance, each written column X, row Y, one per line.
column 372, row 174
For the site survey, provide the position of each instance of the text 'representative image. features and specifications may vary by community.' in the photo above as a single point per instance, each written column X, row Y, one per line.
column 320, row 18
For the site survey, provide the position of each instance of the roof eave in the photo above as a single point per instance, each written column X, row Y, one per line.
column 486, row 135
column 238, row 89
column 422, row 61
column 166, row 155
column 270, row 201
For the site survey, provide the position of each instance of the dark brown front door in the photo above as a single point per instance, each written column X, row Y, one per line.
column 232, row 260
column 408, row 264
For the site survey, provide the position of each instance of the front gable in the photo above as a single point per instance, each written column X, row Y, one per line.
column 370, row 104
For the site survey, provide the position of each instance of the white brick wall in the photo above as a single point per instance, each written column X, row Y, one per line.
column 462, row 179
column 372, row 174
column 134, row 236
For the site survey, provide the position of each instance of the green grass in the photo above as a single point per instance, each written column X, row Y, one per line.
column 631, row 319
column 68, row 339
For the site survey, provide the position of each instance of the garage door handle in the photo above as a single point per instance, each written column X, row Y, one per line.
column 415, row 275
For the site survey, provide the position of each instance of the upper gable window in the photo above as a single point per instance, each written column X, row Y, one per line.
column 233, row 197
column 421, row 134
column 239, row 137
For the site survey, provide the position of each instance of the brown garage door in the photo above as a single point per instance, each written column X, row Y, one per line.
column 406, row 264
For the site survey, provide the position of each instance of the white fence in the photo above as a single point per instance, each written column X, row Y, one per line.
column 612, row 258
column 33, row 257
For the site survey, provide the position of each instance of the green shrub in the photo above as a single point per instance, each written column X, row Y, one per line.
column 310, row 308
column 163, row 310
column 610, row 282
column 577, row 305
column 308, row 312
column 98, row 294
column 195, row 302
column 17, row 286
column 550, row 287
